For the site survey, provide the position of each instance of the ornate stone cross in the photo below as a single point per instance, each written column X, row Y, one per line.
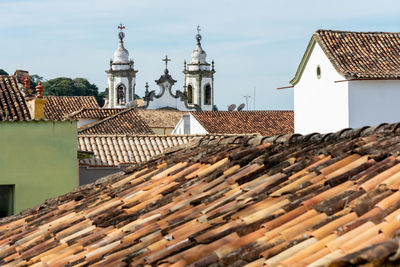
column 166, row 59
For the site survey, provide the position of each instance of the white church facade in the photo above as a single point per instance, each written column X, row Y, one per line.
column 198, row 91
column 346, row 81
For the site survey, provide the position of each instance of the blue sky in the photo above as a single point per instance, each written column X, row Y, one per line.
column 254, row 43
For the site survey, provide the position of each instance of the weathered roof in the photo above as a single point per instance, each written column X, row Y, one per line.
column 161, row 118
column 228, row 200
column 124, row 122
column 113, row 150
column 358, row 55
column 94, row 113
column 58, row 107
column 12, row 102
column 265, row 122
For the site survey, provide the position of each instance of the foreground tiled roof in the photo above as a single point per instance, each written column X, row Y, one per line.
column 161, row 118
column 369, row 55
column 266, row 122
column 124, row 122
column 113, row 150
column 94, row 113
column 12, row 102
column 228, row 201
column 58, row 107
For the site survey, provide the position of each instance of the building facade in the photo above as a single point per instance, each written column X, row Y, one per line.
column 38, row 160
column 345, row 81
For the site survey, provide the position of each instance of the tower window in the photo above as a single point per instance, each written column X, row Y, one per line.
column 207, row 95
column 190, row 94
column 121, row 94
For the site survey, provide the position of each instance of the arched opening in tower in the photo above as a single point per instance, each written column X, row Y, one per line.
column 121, row 94
column 190, row 94
column 207, row 95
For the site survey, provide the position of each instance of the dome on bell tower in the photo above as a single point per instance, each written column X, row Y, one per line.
column 199, row 55
column 121, row 55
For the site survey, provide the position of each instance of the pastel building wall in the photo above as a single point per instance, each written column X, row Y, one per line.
column 38, row 160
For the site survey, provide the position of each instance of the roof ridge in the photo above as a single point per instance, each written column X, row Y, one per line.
column 94, row 124
column 360, row 32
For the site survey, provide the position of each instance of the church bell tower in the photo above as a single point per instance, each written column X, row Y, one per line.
column 199, row 78
column 121, row 76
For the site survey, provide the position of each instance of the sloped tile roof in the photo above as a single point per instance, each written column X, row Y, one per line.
column 288, row 200
column 161, row 118
column 113, row 150
column 95, row 113
column 58, row 107
column 265, row 122
column 124, row 122
column 12, row 102
column 362, row 55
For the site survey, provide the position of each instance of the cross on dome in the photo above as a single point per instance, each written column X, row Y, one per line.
column 166, row 59
column 121, row 27
column 198, row 36
column 121, row 34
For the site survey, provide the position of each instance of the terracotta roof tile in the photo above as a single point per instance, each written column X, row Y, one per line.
column 362, row 55
column 161, row 118
column 12, row 102
column 267, row 122
column 124, row 122
column 58, row 107
column 224, row 200
column 94, row 113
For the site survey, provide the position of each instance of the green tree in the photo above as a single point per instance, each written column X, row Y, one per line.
column 63, row 86
column 35, row 79
column 3, row 72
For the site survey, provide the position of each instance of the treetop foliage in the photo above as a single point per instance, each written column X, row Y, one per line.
column 64, row 86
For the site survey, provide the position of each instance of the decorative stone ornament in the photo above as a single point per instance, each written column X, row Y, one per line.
column 39, row 90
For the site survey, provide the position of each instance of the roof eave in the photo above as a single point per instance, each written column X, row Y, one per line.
column 303, row 62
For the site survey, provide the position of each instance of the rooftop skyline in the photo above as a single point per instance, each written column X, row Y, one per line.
column 256, row 45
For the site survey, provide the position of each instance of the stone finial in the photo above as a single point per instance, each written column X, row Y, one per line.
column 39, row 90
column 26, row 82
column 212, row 65
column 184, row 65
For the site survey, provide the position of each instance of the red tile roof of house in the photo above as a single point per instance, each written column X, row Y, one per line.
column 124, row 122
column 113, row 150
column 362, row 55
column 289, row 200
column 94, row 113
column 265, row 122
column 161, row 118
column 12, row 102
column 58, row 107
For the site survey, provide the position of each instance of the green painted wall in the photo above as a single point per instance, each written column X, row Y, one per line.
column 39, row 158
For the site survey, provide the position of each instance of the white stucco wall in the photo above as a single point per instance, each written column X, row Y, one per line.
column 320, row 105
column 373, row 102
column 167, row 101
column 195, row 127
column 117, row 82
column 193, row 81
